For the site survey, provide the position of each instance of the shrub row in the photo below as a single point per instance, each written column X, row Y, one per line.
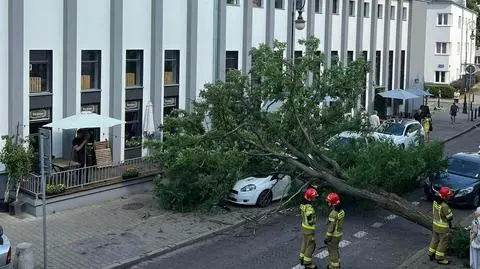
column 446, row 90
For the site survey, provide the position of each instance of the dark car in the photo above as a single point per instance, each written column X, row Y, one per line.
column 462, row 177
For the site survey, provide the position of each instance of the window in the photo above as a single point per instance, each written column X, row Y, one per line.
column 318, row 6
column 459, row 21
column 40, row 71
column 134, row 68
column 351, row 8
column 392, row 12
column 378, row 65
column 233, row 2
column 334, row 56
column 133, row 124
column 440, row 76
column 257, row 3
column 380, row 11
column 442, row 19
column 402, row 69
column 90, row 74
column 366, row 10
column 298, row 54
column 349, row 56
column 442, row 48
column 231, row 60
column 172, row 67
column 335, row 6
column 279, row 4
column 404, row 14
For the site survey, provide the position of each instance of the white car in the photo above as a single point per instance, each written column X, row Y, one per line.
column 403, row 133
column 260, row 190
column 5, row 251
column 346, row 137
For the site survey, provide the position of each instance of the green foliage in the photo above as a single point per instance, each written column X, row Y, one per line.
column 446, row 89
column 372, row 165
column 17, row 159
column 459, row 243
column 130, row 172
column 53, row 189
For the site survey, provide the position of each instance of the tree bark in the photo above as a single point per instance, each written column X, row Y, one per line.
column 388, row 201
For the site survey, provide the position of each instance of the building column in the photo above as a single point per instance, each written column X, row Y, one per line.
column 117, row 87
column 16, row 67
column 192, row 47
column 156, row 89
column 70, row 60
column 221, row 36
column 327, row 50
column 310, row 29
column 359, row 39
column 290, row 29
column 270, row 29
column 386, row 43
column 398, row 45
column 370, row 94
column 247, row 37
column 344, row 38
column 416, row 58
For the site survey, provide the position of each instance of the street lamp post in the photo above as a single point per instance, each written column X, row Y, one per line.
column 470, row 25
column 298, row 23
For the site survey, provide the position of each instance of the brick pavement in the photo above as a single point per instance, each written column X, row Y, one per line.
column 96, row 236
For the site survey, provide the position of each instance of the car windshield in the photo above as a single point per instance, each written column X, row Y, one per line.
column 463, row 167
column 392, row 129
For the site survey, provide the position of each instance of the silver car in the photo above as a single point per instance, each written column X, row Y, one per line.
column 5, row 251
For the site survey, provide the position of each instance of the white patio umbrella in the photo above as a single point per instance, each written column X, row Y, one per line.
column 85, row 119
column 398, row 94
column 148, row 123
column 419, row 92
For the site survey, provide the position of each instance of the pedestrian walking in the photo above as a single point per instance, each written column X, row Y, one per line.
column 453, row 112
column 442, row 223
column 308, row 228
column 475, row 241
column 418, row 115
column 374, row 120
column 334, row 229
column 427, row 127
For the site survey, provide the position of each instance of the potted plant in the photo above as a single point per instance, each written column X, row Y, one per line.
column 17, row 158
column 133, row 148
column 130, row 172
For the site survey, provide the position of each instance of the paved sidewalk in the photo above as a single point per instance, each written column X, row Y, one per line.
column 109, row 233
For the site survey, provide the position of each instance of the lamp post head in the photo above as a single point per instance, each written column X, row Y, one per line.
column 299, row 22
column 472, row 36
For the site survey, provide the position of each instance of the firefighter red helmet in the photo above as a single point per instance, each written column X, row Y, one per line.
column 445, row 192
column 332, row 199
column 310, row 194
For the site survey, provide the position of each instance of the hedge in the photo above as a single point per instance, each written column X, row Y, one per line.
column 447, row 90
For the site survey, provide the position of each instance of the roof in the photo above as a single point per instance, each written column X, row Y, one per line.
column 470, row 156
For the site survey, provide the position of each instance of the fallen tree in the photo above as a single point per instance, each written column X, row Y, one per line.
column 276, row 122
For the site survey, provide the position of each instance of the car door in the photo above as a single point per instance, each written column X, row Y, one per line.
column 279, row 187
column 410, row 134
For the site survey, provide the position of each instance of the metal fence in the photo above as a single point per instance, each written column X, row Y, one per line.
column 88, row 175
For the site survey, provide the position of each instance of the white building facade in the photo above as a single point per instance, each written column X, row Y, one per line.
column 449, row 46
column 114, row 56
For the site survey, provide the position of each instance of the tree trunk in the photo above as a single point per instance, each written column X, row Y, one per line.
column 388, row 201
column 7, row 192
column 18, row 190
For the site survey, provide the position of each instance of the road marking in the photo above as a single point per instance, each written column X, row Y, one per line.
column 344, row 243
column 391, row 217
column 360, row 234
column 322, row 254
column 415, row 203
column 377, row 225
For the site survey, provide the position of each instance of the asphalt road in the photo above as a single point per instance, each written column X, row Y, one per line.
column 373, row 238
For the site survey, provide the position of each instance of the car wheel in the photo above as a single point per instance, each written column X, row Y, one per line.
column 265, row 198
column 476, row 201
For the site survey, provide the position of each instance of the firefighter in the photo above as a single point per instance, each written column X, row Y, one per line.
column 442, row 222
column 334, row 229
column 308, row 228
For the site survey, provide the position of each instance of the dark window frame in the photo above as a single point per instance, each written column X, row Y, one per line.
column 379, row 11
column 38, row 58
column 366, row 10
column 138, row 61
column 172, row 57
column 335, row 7
column 137, row 119
column 351, row 8
column 280, row 4
column 318, row 6
column 257, row 3
column 96, row 81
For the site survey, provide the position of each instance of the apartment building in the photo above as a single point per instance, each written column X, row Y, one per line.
column 450, row 42
column 114, row 56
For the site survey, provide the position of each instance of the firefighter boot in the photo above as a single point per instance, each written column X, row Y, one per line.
column 431, row 257
column 443, row 261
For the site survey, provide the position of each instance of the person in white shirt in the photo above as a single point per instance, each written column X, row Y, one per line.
column 374, row 120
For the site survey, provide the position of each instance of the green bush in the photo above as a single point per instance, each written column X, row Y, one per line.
column 130, row 172
column 446, row 89
column 459, row 243
column 53, row 189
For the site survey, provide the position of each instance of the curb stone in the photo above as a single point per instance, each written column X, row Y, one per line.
column 461, row 133
column 128, row 263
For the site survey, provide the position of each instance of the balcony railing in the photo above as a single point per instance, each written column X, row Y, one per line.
column 80, row 177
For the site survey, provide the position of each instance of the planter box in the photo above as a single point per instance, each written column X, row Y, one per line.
column 4, row 207
column 132, row 153
column 16, row 208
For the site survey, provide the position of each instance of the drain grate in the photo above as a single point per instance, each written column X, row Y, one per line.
column 132, row 206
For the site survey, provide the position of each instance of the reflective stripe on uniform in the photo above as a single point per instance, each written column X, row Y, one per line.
column 302, row 255
column 307, row 259
column 439, row 254
column 449, row 215
column 440, row 221
column 308, row 227
column 441, row 224
column 335, row 264
column 431, row 250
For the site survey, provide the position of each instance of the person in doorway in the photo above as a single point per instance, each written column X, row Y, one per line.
column 334, row 229
column 475, row 241
column 79, row 145
column 308, row 228
column 374, row 120
column 442, row 223
column 453, row 112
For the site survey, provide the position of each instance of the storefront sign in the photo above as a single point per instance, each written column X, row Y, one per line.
column 39, row 115
column 94, row 108
column 170, row 102
column 132, row 105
